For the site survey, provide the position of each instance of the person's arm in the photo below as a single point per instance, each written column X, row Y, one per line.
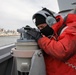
column 61, row 49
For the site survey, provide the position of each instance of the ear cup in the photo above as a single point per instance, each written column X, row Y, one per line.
column 50, row 20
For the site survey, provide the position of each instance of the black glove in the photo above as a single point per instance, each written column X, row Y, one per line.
column 34, row 33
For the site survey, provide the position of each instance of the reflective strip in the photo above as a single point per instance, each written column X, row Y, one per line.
column 71, row 65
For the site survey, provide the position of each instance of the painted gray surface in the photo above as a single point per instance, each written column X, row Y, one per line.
column 66, row 4
column 7, row 62
column 5, row 52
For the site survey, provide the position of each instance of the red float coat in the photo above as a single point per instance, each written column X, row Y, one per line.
column 57, row 52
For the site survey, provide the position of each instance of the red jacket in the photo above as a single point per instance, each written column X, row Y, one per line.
column 62, row 50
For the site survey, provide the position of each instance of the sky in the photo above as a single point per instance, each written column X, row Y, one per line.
column 15, row 14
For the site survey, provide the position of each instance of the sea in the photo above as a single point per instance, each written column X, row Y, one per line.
column 7, row 40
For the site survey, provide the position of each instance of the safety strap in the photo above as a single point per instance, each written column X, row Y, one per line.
column 59, row 31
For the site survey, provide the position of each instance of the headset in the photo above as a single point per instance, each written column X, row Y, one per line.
column 49, row 15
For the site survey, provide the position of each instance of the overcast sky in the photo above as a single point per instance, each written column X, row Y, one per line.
column 15, row 14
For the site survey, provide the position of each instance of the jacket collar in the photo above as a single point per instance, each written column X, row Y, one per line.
column 57, row 25
column 70, row 18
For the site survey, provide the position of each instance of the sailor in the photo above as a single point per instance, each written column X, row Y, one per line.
column 57, row 39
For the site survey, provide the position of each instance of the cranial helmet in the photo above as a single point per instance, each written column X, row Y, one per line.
column 44, row 16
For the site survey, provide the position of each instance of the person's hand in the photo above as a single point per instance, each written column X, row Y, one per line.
column 34, row 33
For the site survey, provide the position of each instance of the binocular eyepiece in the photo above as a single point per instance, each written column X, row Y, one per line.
column 27, row 27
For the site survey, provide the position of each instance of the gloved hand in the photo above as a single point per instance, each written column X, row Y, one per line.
column 34, row 33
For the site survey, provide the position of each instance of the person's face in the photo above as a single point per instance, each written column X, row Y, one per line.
column 41, row 26
column 45, row 29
